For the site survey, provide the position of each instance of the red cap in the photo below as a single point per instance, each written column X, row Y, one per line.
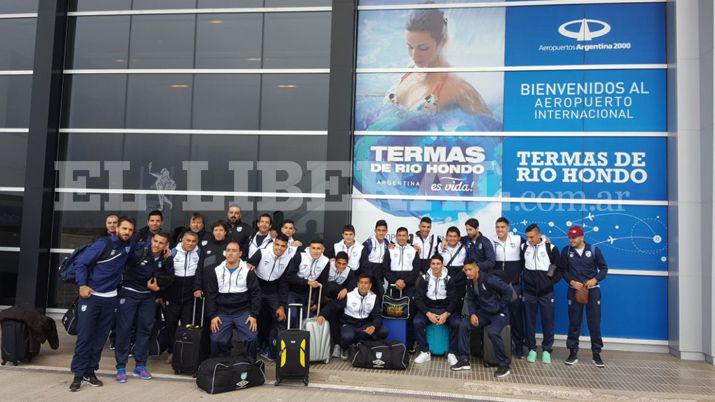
column 575, row 232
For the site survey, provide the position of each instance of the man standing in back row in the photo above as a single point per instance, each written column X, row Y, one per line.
column 584, row 267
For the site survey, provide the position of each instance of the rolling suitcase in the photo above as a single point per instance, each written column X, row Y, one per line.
column 293, row 351
column 488, row 354
column 17, row 344
column 319, row 334
column 396, row 329
column 438, row 339
column 187, row 351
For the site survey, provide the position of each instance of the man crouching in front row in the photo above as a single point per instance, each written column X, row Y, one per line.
column 488, row 299
column 233, row 300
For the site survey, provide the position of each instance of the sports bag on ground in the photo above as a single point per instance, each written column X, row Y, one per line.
column 388, row 355
column 224, row 374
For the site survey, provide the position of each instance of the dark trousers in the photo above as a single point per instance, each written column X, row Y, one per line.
column 221, row 340
column 516, row 320
column 268, row 325
column 335, row 324
column 494, row 324
column 593, row 319
column 420, row 323
column 293, row 313
column 351, row 334
column 95, row 319
column 176, row 312
column 135, row 315
column 545, row 305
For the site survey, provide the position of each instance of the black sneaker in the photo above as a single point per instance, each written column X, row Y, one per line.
column 597, row 360
column 76, row 384
column 501, row 372
column 461, row 365
column 93, row 380
column 572, row 359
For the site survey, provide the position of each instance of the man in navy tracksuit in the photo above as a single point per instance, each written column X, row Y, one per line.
column 540, row 261
column 341, row 281
column 374, row 255
column 361, row 319
column 179, row 297
column 507, row 248
column 270, row 266
column 479, row 247
column 154, row 222
column 98, row 271
column 584, row 266
column 233, row 300
column 402, row 268
column 488, row 299
column 310, row 268
column 137, row 304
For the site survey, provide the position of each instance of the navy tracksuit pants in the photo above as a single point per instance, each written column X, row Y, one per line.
column 94, row 320
column 135, row 310
column 494, row 324
column 593, row 319
column 543, row 303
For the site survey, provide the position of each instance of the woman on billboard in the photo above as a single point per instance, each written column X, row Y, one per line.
column 431, row 101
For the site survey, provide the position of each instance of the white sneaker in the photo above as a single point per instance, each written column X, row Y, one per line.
column 423, row 357
column 336, row 351
column 451, row 359
column 168, row 359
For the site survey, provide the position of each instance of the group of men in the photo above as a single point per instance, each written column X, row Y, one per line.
column 245, row 277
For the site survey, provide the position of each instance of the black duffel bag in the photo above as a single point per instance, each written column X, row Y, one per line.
column 224, row 374
column 388, row 355
column 69, row 320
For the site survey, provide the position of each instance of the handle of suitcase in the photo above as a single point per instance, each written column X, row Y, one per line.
column 310, row 298
column 193, row 313
column 300, row 314
column 392, row 289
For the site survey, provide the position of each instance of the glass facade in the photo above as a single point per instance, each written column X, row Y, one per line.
column 211, row 103
column 16, row 63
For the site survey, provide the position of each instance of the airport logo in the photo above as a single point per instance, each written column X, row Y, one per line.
column 581, row 30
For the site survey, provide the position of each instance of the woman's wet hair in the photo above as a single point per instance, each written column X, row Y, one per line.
column 430, row 20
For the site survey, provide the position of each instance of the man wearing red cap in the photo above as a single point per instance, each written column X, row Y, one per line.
column 584, row 266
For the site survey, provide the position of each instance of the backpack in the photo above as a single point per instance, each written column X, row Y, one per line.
column 67, row 271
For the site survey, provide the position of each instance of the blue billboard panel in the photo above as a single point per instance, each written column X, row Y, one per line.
column 595, row 100
column 630, row 237
column 613, row 168
column 585, row 34
column 424, row 165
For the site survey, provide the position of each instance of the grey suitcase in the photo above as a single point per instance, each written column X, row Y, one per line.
column 489, row 356
column 319, row 334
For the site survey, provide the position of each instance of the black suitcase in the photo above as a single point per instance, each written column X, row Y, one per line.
column 224, row 374
column 387, row 355
column 158, row 338
column 187, row 350
column 293, row 351
column 488, row 354
column 17, row 344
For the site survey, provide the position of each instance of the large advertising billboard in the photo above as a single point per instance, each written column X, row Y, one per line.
column 552, row 114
